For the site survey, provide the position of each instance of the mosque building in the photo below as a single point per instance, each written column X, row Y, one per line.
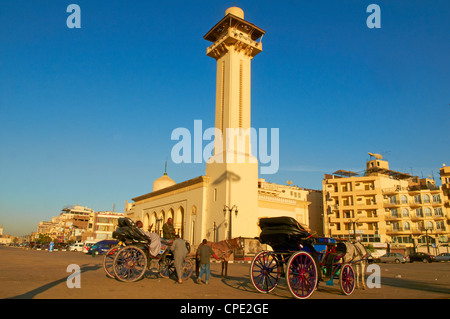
column 229, row 199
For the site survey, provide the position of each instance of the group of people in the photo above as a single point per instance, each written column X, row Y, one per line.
column 179, row 250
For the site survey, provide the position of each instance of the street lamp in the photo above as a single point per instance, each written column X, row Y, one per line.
column 426, row 234
column 228, row 209
column 354, row 227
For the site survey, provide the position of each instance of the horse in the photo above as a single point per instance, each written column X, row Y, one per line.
column 223, row 250
column 357, row 254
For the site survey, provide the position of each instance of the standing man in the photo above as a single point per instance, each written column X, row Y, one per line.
column 204, row 253
column 179, row 254
column 169, row 230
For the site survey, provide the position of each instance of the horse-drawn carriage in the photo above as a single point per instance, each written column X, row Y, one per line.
column 130, row 259
column 302, row 259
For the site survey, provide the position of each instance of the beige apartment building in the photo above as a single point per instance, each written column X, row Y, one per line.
column 444, row 172
column 389, row 210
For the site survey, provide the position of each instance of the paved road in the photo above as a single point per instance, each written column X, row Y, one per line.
column 43, row 275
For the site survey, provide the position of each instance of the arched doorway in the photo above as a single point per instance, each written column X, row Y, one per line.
column 153, row 219
column 178, row 222
column 146, row 221
column 160, row 222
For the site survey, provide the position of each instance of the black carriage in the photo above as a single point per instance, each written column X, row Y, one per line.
column 131, row 258
column 299, row 257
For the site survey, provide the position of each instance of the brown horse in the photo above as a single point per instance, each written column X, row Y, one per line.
column 223, row 250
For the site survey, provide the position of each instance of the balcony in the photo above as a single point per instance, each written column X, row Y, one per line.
column 390, row 204
column 392, row 190
column 390, row 217
column 417, row 217
column 398, row 230
column 413, row 203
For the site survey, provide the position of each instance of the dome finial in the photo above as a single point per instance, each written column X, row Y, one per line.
column 238, row 12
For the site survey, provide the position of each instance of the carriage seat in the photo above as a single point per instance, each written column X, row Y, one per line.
column 127, row 231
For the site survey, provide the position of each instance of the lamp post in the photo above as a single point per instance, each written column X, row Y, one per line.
column 230, row 210
column 354, row 227
column 428, row 244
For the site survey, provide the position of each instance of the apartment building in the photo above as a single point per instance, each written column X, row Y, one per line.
column 389, row 210
column 444, row 172
column 102, row 225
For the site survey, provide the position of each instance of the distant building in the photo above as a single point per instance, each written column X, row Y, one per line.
column 385, row 208
column 101, row 225
column 74, row 222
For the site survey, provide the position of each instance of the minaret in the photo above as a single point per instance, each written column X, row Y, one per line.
column 233, row 169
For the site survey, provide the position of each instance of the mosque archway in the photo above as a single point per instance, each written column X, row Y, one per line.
column 178, row 222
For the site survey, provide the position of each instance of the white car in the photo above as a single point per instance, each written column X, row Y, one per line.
column 88, row 244
column 443, row 257
column 76, row 247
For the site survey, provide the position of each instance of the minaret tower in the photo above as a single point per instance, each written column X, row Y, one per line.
column 233, row 169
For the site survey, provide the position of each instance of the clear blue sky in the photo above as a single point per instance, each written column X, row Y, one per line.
column 86, row 114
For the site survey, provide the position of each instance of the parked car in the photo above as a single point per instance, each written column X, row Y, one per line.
column 102, row 246
column 443, row 257
column 76, row 247
column 88, row 244
column 393, row 257
column 424, row 257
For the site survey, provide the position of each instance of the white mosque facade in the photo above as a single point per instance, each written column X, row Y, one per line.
column 229, row 199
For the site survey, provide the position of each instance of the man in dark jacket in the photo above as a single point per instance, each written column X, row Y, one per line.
column 169, row 230
column 204, row 253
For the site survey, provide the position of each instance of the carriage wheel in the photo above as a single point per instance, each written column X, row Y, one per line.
column 188, row 268
column 166, row 266
column 347, row 279
column 108, row 261
column 130, row 264
column 301, row 275
column 265, row 272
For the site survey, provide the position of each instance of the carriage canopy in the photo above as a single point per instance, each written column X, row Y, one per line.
column 282, row 233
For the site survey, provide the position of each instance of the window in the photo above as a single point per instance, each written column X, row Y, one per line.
column 405, row 212
column 419, row 212
column 393, row 200
column 437, row 198
column 438, row 212
column 406, row 226
column 404, row 199
column 440, row 225
column 417, row 199
column 427, row 211
column 426, row 198
column 429, row 225
column 394, row 213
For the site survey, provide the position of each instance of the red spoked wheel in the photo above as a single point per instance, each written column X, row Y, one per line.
column 265, row 272
column 108, row 261
column 302, row 275
column 347, row 280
